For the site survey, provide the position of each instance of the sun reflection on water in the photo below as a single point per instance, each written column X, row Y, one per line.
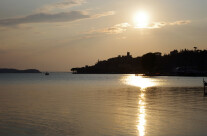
column 143, row 83
column 141, row 116
column 139, row 81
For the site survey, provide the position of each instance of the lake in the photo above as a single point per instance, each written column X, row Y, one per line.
column 65, row 104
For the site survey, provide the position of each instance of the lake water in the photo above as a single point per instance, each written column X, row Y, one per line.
column 63, row 104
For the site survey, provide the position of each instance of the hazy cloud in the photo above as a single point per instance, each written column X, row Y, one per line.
column 50, row 18
column 116, row 29
column 122, row 27
column 108, row 13
column 44, row 18
column 156, row 25
column 61, row 5
column 182, row 22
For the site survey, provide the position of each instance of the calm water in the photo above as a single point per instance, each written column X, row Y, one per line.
column 63, row 104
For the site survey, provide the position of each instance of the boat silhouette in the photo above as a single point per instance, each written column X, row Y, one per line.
column 47, row 73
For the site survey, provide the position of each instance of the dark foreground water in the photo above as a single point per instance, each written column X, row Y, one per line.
column 63, row 104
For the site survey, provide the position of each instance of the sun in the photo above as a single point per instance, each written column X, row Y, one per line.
column 141, row 19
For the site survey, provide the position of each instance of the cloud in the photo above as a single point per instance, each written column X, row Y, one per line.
column 181, row 22
column 123, row 27
column 108, row 13
column 116, row 29
column 45, row 18
column 51, row 18
column 61, row 5
column 156, row 25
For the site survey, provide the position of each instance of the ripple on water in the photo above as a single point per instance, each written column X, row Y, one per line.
column 96, row 107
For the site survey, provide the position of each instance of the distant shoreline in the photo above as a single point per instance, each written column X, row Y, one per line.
column 10, row 70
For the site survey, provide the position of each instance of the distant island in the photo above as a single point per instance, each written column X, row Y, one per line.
column 182, row 63
column 8, row 70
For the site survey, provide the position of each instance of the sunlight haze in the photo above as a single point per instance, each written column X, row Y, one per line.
column 56, row 35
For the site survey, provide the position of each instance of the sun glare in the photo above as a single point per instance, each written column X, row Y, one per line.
column 141, row 19
column 139, row 81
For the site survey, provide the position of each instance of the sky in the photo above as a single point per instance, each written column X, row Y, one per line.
column 57, row 35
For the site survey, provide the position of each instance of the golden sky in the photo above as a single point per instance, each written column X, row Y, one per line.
column 56, row 35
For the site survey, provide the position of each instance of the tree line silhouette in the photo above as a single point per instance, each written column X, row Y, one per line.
column 184, row 62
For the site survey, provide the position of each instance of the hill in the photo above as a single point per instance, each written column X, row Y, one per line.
column 184, row 62
column 8, row 70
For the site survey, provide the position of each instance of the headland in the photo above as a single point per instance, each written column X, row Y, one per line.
column 176, row 63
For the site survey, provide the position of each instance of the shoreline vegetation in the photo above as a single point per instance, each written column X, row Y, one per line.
column 9, row 70
column 176, row 63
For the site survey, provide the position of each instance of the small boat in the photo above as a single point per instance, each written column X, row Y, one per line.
column 47, row 73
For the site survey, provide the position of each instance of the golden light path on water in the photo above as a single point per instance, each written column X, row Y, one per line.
column 139, row 81
column 143, row 83
column 141, row 117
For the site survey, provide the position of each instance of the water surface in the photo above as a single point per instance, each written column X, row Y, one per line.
column 63, row 104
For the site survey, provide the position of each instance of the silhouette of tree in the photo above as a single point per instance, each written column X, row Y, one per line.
column 193, row 62
column 195, row 48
